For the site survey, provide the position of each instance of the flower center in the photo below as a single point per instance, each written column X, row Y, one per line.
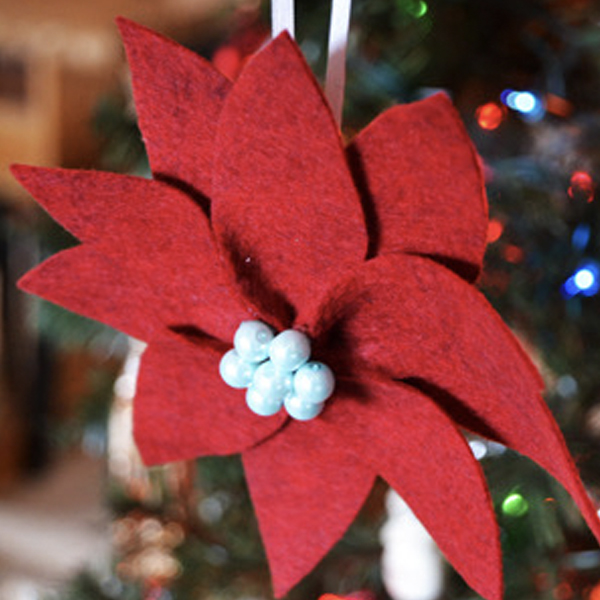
column 277, row 372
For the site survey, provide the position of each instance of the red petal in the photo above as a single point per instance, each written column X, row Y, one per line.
column 418, row 321
column 284, row 203
column 96, row 286
column 424, row 184
column 306, row 489
column 414, row 446
column 96, row 206
column 178, row 97
column 156, row 239
column 184, row 409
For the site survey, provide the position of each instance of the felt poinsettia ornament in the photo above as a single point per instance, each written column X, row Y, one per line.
column 258, row 212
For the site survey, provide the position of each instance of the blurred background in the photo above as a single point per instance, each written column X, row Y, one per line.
column 80, row 517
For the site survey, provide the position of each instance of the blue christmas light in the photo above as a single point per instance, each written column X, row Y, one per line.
column 527, row 104
column 585, row 281
column 581, row 236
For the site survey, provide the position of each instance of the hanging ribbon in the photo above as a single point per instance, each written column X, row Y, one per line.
column 335, row 80
column 282, row 18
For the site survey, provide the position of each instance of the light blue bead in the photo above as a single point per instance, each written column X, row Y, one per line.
column 252, row 340
column 289, row 350
column 314, row 382
column 300, row 409
column 235, row 371
column 271, row 383
column 257, row 403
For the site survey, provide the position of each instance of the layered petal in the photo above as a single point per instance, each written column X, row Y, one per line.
column 178, row 97
column 306, row 488
column 183, row 409
column 407, row 439
column 417, row 321
column 422, row 184
column 73, row 276
column 152, row 249
column 285, row 208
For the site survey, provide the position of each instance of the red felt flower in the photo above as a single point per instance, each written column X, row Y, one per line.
column 257, row 210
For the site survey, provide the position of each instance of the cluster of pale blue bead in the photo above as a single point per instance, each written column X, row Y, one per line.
column 277, row 371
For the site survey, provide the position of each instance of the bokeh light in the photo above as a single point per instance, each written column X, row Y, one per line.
column 495, row 230
column 489, row 116
column 595, row 592
column 563, row 591
column 515, row 505
column 581, row 236
column 581, row 186
column 513, row 254
column 417, row 8
column 525, row 103
column 585, row 281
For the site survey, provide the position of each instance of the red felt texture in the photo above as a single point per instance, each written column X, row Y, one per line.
column 178, row 97
column 145, row 227
column 452, row 344
column 183, row 407
column 284, row 203
column 111, row 295
column 306, row 489
column 410, row 442
column 371, row 251
column 425, row 183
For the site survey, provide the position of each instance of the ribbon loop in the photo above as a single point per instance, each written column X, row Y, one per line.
column 282, row 18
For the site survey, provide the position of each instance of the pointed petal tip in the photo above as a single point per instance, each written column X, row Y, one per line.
column 22, row 173
column 34, row 178
column 492, row 587
column 284, row 38
column 133, row 33
column 127, row 26
column 285, row 44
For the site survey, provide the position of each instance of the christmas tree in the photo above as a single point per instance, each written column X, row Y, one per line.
column 525, row 80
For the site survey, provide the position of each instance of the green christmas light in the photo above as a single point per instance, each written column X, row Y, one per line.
column 515, row 505
column 420, row 9
column 415, row 8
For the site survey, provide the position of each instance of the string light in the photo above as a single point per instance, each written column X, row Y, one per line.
column 581, row 236
column 515, row 505
column 526, row 103
column 495, row 230
column 581, row 186
column 489, row 116
column 417, row 8
column 563, row 591
column 595, row 593
column 513, row 254
column 585, row 281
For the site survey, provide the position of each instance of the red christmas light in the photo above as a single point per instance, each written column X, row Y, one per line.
column 582, row 186
column 489, row 116
column 495, row 230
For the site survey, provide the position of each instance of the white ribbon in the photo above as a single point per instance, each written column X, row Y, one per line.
column 282, row 18
column 335, row 80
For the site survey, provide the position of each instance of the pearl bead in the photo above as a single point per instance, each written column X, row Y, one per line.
column 271, row 383
column 314, row 382
column 289, row 350
column 252, row 340
column 300, row 409
column 235, row 371
column 258, row 404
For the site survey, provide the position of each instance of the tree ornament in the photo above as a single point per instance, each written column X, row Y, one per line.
column 258, row 211
column 285, row 378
